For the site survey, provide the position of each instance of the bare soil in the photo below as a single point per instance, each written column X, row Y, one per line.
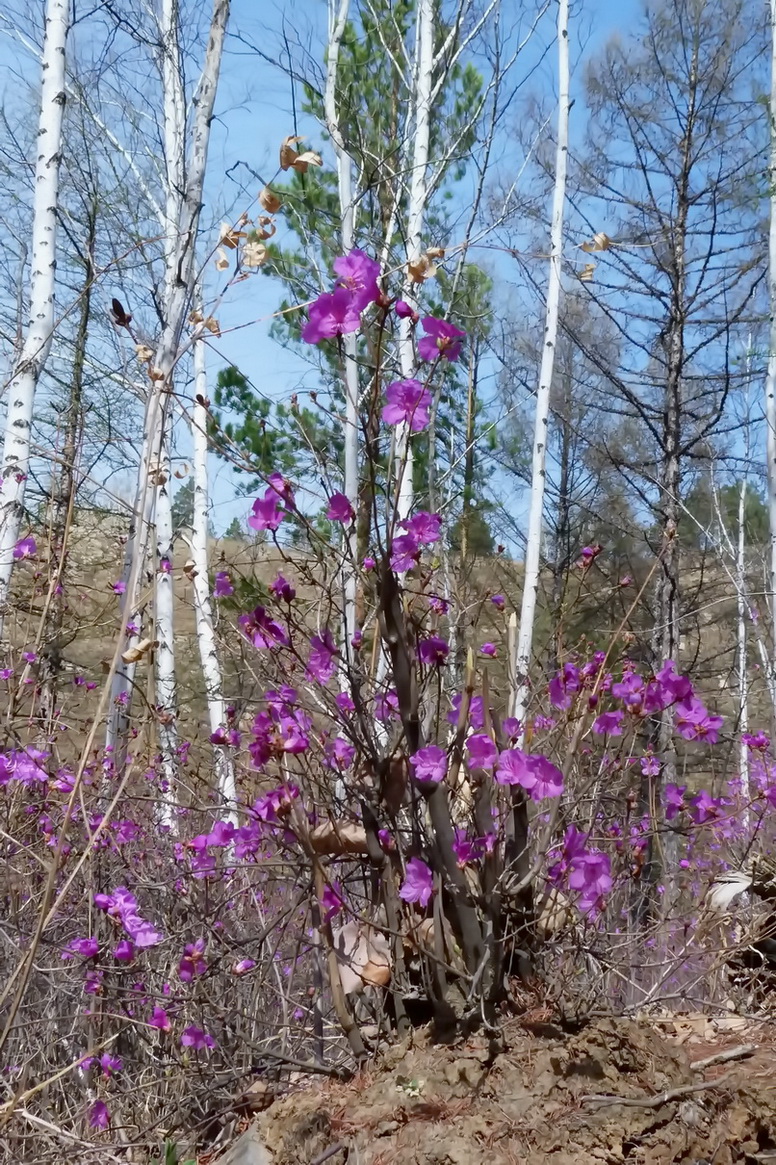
column 615, row 1091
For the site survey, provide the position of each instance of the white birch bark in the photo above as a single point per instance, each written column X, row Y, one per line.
column 418, row 198
column 179, row 288
column 524, row 639
column 35, row 349
column 338, row 16
column 203, row 610
column 743, row 694
column 770, row 382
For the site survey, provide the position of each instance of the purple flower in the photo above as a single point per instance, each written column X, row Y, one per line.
column 512, row 727
column 243, row 966
column 760, row 742
column 441, row 339
column 650, row 766
column 335, row 313
column 119, row 587
column 85, row 948
column 124, row 951
column 110, row 1064
column 340, row 753
column 609, row 724
column 424, row 527
column 99, row 1116
column 340, row 509
column 418, row 884
column 405, row 312
column 192, row 963
column 223, row 585
column 433, row 651
column 488, row 649
column 695, row 722
column 476, row 711
column 369, row 563
column 331, row 900
column 674, row 800
column 590, row 874
column 405, row 552
column 344, row 702
column 438, row 604
column 430, row 764
column 321, row 663
column 266, row 513
column 483, row 753
column 282, row 589
column 358, row 274
column 386, row 705
column 194, row 1037
column 705, row 808
column 25, row 548
column 262, row 630
column 160, row 1019
column 408, row 403
column 562, row 686
column 498, row 601
column 538, row 776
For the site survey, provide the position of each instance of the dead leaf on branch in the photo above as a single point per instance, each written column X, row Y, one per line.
column 136, row 653
column 270, row 200
column 183, row 471
column 363, row 957
column 265, row 227
column 190, row 569
column 290, row 159
column 425, row 266
column 601, row 242
column 230, row 237
column 212, row 325
column 586, row 274
column 196, row 317
column 144, row 353
column 254, row 254
column 222, row 260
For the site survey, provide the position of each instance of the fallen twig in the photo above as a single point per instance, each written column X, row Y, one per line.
column 739, row 1053
column 661, row 1098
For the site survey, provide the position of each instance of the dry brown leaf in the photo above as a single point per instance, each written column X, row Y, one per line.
column 339, row 837
column 190, row 568
column 196, row 317
column 425, row 267
column 144, row 353
column 363, row 956
column 254, row 254
column 212, row 325
column 291, row 159
column 601, row 242
column 133, row 654
column 230, row 237
column 222, row 260
column 155, row 374
column 586, row 274
column 270, row 200
column 265, row 227
column 182, row 471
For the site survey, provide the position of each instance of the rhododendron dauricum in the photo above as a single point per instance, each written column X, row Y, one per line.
column 338, row 313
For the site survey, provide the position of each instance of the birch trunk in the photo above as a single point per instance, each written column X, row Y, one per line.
column 524, row 639
column 743, row 693
column 35, row 349
column 203, row 611
column 179, row 288
column 418, row 162
column 770, row 382
column 338, row 16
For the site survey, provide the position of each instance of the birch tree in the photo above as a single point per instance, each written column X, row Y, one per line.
column 185, row 165
column 39, row 332
column 770, row 382
column 523, row 639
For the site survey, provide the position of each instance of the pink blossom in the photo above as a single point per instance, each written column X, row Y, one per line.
column 537, row 775
column 124, row 951
column 498, row 601
column 488, row 649
column 335, row 313
column 418, row 884
column 408, row 403
column 266, row 513
column 424, row 527
column 609, row 723
column 405, row 312
column 441, row 339
column 430, row 764
column 99, row 1116
column 358, row 274
column 282, row 589
column 243, row 966
column 433, row 651
column 160, row 1019
column 340, row 509
column 483, row 753
column 194, row 1037
column 85, row 948
column 119, row 587
column 223, row 585
column 322, row 661
column 25, row 548
column 405, row 551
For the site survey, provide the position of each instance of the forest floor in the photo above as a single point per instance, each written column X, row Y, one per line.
column 614, row 1091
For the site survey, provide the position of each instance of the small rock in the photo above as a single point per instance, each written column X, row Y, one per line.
column 249, row 1149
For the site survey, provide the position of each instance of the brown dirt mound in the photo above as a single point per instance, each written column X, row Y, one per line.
column 549, row 1099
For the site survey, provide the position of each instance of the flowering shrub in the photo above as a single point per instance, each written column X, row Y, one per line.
column 397, row 834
